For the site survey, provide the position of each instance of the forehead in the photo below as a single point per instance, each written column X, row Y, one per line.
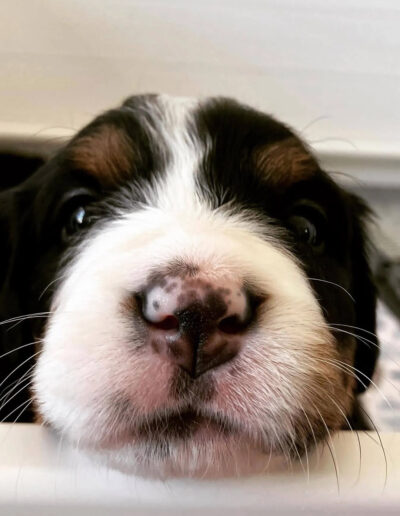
column 218, row 140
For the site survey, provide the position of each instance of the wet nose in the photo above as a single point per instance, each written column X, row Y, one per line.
column 198, row 324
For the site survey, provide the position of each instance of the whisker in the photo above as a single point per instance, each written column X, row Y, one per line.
column 381, row 443
column 284, row 450
column 293, row 446
column 310, row 425
column 265, row 469
column 25, row 403
column 366, row 432
column 48, row 286
column 18, row 348
column 362, row 339
column 355, row 328
column 353, row 431
column 330, row 449
column 20, row 318
column 18, row 366
column 367, row 342
column 22, row 411
column 335, row 139
column 16, row 383
column 335, row 284
column 334, row 465
column 338, row 366
column 307, row 461
column 347, row 366
column 314, row 121
column 28, row 381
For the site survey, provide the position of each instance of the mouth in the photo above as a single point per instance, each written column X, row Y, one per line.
column 180, row 426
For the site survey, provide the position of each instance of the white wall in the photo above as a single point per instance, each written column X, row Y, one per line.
column 61, row 61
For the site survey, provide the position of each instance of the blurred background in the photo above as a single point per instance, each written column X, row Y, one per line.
column 329, row 68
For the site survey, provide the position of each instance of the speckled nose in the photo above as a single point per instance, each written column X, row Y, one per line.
column 197, row 323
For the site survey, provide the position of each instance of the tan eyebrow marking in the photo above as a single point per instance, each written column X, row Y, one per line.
column 106, row 153
column 285, row 162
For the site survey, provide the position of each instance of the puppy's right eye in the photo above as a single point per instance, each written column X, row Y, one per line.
column 76, row 219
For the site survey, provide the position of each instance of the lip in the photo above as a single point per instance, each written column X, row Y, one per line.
column 182, row 425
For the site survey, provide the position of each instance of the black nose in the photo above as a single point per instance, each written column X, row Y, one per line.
column 197, row 324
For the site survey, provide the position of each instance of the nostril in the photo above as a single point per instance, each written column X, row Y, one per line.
column 236, row 323
column 170, row 322
column 231, row 325
column 167, row 322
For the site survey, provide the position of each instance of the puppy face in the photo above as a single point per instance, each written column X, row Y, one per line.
column 200, row 270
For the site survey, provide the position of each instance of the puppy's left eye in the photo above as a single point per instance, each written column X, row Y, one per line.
column 309, row 226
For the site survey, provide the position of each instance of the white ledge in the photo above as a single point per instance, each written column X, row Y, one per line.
column 41, row 475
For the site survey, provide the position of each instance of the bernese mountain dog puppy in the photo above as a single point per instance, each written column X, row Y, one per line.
column 182, row 288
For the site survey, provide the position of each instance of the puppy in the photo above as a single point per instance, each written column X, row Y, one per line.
column 195, row 284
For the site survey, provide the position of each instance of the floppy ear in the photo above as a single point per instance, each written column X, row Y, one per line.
column 14, row 355
column 15, row 168
column 364, row 293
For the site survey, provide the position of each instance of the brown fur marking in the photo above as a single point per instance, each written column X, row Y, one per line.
column 106, row 154
column 285, row 162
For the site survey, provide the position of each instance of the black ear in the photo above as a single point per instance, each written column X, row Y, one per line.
column 364, row 293
column 15, row 168
column 15, row 355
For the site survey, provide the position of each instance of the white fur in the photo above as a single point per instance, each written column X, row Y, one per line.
column 93, row 355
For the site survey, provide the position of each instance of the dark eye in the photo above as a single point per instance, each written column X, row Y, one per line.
column 77, row 220
column 309, row 226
